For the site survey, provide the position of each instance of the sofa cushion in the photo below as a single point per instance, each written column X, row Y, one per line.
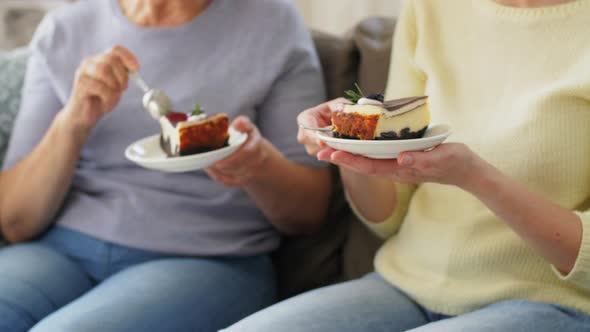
column 344, row 249
column 12, row 71
column 307, row 262
column 340, row 59
column 373, row 38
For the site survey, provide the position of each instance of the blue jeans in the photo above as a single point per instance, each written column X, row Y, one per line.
column 372, row 304
column 68, row 281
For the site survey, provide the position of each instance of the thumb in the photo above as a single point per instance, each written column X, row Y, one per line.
column 243, row 124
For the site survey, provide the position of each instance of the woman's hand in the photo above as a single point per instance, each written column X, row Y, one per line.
column 98, row 86
column 248, row 163
column 317, row 117
column 451, row 163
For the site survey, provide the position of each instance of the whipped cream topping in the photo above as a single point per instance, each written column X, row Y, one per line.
column 199, row 117
column 367, row 101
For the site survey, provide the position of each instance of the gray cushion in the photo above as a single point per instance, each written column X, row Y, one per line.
column 340, row 60
column 307, row 262
column 12, row 71
column 373, row 38
column 345, row 248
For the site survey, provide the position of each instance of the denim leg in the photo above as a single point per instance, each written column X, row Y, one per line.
column 184, row 294
column 36, row 281
column 514, row 316
column 369, row 304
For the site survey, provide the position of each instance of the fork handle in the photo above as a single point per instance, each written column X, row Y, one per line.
column 139, row 81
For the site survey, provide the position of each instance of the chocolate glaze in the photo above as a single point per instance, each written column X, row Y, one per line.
column 396, row 104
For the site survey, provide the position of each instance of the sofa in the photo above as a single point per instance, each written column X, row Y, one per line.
column 344, row 248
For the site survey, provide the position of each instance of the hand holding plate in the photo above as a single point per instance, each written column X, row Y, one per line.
column 245, row 165
column 317, row 118
column 452, row 163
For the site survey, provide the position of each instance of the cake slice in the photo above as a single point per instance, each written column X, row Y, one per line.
column 372, row 119
column 184, row 135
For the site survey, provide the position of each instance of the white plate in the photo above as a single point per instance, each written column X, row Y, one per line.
column 435, row 135
column 148, row 153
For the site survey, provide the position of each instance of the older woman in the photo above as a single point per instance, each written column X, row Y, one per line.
column 494, row 235
column 113, row 247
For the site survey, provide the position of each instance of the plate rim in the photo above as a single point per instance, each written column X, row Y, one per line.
column 242, row 137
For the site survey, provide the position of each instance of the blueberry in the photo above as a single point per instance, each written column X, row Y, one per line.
column 378, row 97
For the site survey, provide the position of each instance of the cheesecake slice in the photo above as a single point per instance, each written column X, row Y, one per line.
column 371, row 119
column 183, row 134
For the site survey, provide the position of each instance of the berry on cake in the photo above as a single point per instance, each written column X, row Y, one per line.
column 187, row 134
column 372, row 118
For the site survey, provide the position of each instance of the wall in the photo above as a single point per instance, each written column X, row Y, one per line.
column 19, row 18
column 337, row 16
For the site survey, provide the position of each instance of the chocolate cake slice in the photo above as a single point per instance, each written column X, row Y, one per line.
column 184, row 135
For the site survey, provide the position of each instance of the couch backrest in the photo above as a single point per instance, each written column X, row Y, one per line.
column 374, row 38
column 12, row 71
column 361, row 56
column 344, row 249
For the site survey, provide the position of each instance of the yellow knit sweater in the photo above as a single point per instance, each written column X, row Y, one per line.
column 515, row 86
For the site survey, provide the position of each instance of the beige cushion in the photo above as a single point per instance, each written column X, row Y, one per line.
column 344, row 249
column 373, row 37
column 340, row 60
column 308, row 262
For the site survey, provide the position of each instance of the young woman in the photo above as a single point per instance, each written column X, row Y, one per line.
column 491, row 231
column 113, row 247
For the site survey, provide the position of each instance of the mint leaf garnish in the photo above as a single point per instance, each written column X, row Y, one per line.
column 197, row 110
column 353, row 95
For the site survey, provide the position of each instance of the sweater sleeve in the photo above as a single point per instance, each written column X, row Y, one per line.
column 406, row 79
column 389, row 226
column 298, row 86
column 580, row 274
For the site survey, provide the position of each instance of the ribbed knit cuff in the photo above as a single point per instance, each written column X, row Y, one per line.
column 391, row 225
column 580, row 274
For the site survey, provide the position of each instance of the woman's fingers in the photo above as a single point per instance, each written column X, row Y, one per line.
column 250, row 155
column 337, row 105
column 316, row 117
column 112, row 67
column 107, row 68
column 127, row 58
column 310, row 141
column 447, row 164
column 120, row 72
column 99, row 84
column 101, row 71
column 385, row 167
column 93, row 88
column 321, row 115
